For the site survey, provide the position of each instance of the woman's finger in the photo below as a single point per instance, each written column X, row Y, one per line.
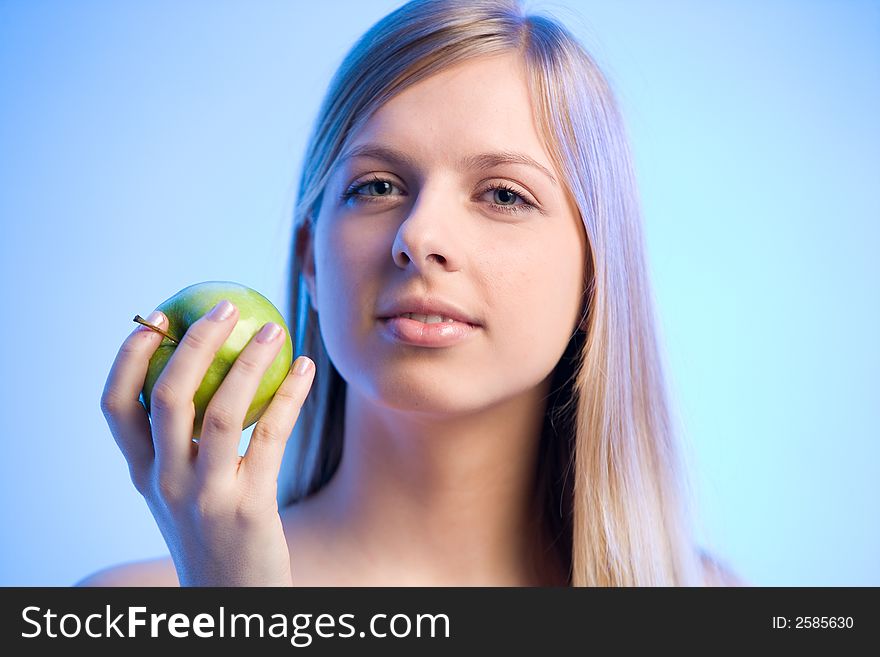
column 171, row 401
column 262, row 460
column 120, row 401
column 225, row 414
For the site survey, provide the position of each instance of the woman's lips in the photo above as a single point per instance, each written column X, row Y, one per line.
column 414, row 332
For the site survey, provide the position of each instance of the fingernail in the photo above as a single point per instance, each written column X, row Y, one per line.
column 269, row 332
column 302, row 365
column 221, row 311
column 156, row 318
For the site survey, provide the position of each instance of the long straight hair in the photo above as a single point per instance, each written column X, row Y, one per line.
column 613, row 488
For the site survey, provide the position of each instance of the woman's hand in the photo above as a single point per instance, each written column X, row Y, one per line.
column 217, row 511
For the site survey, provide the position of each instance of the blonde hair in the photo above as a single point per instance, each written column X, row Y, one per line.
column 612, row 483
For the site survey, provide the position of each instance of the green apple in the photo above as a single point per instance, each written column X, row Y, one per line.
column 254, row 310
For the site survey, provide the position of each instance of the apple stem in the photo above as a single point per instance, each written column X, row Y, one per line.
column 141, row 320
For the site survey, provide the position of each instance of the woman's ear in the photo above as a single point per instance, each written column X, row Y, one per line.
column 305, row 253
column 582, row 326
column 589, row 283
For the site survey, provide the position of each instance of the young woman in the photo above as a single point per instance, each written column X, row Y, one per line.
column 468, row 279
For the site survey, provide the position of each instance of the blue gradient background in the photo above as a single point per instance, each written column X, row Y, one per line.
column 148, row 146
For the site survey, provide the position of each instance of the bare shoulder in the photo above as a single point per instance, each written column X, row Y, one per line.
column 718, row 573
column 149, row 572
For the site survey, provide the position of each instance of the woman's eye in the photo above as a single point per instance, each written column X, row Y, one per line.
column 507, row 197
column 503, row 197
column 381, row 187
column 377, row 185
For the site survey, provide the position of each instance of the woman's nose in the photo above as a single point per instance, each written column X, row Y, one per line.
column 425, row 237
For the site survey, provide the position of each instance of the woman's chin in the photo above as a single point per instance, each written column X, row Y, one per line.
column 431, row 398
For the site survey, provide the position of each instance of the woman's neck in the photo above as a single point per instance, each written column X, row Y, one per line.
column 442, row 499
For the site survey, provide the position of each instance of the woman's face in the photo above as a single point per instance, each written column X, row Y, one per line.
column 434, row 227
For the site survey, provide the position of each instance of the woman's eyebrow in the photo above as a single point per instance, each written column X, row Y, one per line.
column 477, row 161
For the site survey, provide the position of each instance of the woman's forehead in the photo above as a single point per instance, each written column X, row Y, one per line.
column 483, row 104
